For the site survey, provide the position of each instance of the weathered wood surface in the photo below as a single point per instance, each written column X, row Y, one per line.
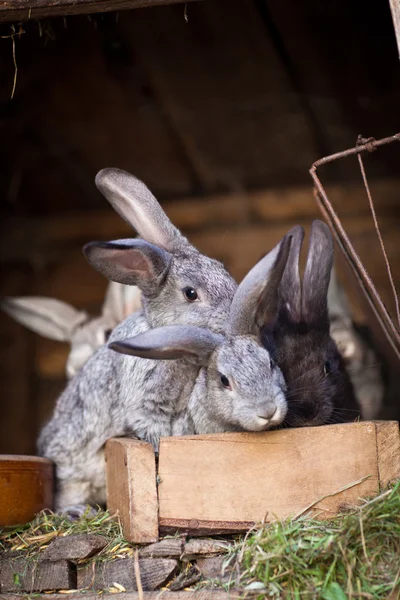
column 131, row 488
column 204, row 547
column 75, row 547
column 244, row 478
column 24, row 10
column 154, row 572
column 231, row 481
column 23, row 574
column 166, row 548
column 189, row 595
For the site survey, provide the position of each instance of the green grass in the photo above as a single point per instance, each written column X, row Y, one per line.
column 355, row 555
column 33, row 537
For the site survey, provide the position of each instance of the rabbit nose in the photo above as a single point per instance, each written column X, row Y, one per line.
column 266, row 412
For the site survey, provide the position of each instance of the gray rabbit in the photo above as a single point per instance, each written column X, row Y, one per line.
column 360, row 358
column 239, row 387
column 115, row 395
column 60, row 321
column 319, row 390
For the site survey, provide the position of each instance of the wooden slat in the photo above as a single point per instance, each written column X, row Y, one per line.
column 22, row 239
column 24, row 10
column 395, row 8
column 245, row 478
column 131, row 488
column 388, row 450
column 186, row 595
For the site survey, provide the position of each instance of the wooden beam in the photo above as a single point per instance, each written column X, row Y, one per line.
column 395, row 8
column 21, row 239
column 24, row 10
column 186, row 595
column 232, row 481
column 131, row 476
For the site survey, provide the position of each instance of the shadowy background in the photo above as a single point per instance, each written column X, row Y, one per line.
column 221, row 116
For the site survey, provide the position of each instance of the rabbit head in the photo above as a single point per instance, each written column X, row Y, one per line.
column 57, row 320
column 179, row 285
column 240, row 388
column 319, row 390
column 356, row 348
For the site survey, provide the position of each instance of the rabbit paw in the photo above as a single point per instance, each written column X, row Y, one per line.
column 77, row 511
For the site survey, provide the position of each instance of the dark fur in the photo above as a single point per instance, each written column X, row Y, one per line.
column 301, row 343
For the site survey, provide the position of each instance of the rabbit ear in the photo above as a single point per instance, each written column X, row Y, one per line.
column 174, row 341
column 290, row 287
column 131, row 262
column 121, row 301
column 50, row 318
column 256, row 300
column 317, row 274
column 134, row 202
column 338, row 303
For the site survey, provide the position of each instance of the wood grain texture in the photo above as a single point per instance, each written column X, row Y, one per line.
column 21, row 574
column 132, row 489
column 246, row 477
column 388, row 450
column 154, row 572
column 189, row 595
column 24, row 10
column 26, row 487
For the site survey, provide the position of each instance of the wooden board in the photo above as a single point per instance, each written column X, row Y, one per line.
column 231, row 481
column 132, row 489
column 23, row 10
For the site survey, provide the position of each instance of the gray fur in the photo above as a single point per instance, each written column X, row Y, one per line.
column 116, row 395
column 254, row 399
column 360, row 358
column 60, row 321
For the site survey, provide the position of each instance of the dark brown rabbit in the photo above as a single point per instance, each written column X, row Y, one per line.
column 319, row 390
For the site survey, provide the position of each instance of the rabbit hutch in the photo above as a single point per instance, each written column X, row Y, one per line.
column 221, row 108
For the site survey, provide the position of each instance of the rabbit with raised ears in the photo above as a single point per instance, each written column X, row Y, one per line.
column 359, row 356
column 319, row 390
column 62, row 322
column 116, row 395
column 181, row 285
column 239, row 387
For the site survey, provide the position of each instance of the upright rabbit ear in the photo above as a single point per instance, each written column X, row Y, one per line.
column 121, row 301
column 131, row 262
column 290, row 287
column 134, row 202
column 50, row 318
column 174, row 341
column 256, row 300
column 317, row 275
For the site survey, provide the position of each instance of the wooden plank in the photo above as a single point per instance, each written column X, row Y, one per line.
column 154, row 572
column 187, row 595
column 24, row 10
column 21, row 239
column 388, row 449
column 395, row 8
column 132, row 489
column 246, row 478
column 22, row 574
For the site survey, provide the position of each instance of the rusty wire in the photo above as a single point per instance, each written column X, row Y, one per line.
column 363, row 145
column 378, row 232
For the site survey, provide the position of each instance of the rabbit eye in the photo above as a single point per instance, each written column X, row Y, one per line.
column 225, row 382
column 190, row 294
column 107, row 334
column 327, row 367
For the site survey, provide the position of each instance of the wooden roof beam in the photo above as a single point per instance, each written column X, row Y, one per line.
column 24, row 10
